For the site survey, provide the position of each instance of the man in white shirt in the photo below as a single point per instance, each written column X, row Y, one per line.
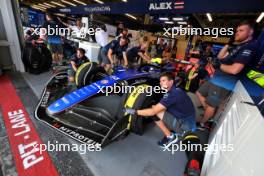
column 101, row 37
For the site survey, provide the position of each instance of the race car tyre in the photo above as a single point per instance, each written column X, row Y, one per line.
column 88, row 73
column 36, row 59
column 140, row 98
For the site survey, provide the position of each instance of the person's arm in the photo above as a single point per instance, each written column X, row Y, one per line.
column 74, row 65
column 154, row 110
column 125, row 59
column 65, row 24
column 193, row 76
column 109, row 54
column 223, row 52
column 144, row 56
column 232, row 69
column 163, row 54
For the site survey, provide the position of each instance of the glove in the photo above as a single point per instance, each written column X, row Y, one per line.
column 216, row 63
column 130, row 111
column 231, row 40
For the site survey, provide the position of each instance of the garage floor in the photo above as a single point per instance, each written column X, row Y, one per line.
column 132, row 156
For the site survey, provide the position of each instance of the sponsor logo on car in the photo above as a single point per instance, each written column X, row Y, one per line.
column 45, row 99
column 75, row 135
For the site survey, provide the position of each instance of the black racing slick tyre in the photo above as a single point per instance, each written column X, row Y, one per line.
column 37, row 59
column 87, row 73
column 140, row 98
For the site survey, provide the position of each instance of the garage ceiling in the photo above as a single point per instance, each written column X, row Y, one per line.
column 30, row 2
column 152, row 22
column 227, row 19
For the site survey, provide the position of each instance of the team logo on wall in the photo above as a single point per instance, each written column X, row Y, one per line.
column 166, row 5
column 65, row 10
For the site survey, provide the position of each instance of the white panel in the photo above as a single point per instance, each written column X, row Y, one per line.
column 111, row 30
column 243, row 126
column 91, row 50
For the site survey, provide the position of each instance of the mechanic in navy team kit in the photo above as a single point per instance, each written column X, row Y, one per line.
column 175, row 111
column 76, row 61
column 136, row 54
column 117, row 48
column 230, row 66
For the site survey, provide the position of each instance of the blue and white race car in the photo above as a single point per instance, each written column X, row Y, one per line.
column 93, row 113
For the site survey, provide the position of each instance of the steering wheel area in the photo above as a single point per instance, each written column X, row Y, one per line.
column 149, row 68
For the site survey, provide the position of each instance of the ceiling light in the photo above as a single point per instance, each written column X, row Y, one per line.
column 60, row 14
column 131, row 16
column 163, row 18
column 67, row 2
column 41, row 5
column 182, row 22
column 59, row 4
column 47, row 4
column 169, row 22
column 98, row 1
column 260, row 17
column 38, row 8
column 124, row 0
column 209, row 17
column 80, row 2
column 177, row 19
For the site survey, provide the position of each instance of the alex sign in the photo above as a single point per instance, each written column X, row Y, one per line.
column 133, row 6
column 166, row 5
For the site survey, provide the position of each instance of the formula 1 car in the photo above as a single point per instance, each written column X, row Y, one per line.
column 89, row 114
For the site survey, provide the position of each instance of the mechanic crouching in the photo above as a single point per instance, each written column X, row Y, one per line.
column 76, row 61
column 230, row 65
column 175, row 111
column 136, row 54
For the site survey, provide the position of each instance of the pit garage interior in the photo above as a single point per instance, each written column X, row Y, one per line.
column 238, row 123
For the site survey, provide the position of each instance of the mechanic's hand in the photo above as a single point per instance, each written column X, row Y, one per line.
column 130, row 111
column 216, row 63
column 231, row 40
